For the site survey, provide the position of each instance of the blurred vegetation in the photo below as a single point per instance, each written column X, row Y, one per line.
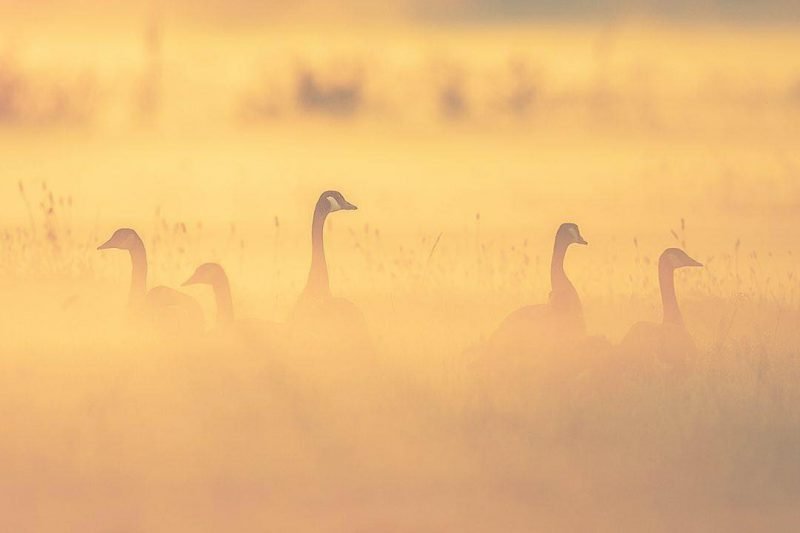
column 28, row 99
column 612, row 86
column 109, row 427
column 217, row 417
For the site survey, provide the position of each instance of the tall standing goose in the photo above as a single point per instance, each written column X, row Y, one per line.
column 561, row 319
column 317, row 290
column 317, row 311
column 669, row 340
column 318, row 287
column 171, row 308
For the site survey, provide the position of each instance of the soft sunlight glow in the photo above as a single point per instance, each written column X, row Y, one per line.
column 627, row 391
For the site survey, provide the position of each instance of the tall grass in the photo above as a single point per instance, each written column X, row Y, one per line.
column 152, row 431
column 109, row 426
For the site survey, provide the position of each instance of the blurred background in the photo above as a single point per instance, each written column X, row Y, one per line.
column 490, row 121
column 466, row 131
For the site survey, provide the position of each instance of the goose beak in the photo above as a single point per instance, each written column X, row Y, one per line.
column 191, row 281
column 581, row 240
column 348, row 206
column 106, row 245
column 694, row 263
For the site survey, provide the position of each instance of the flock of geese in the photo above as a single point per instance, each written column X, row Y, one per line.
column 556, row 325
column 317, row 315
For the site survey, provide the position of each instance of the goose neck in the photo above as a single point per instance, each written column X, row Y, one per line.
column 558, row 277
column 318, row 276
column 224, row 300
column 138, row 275
column 669, row 301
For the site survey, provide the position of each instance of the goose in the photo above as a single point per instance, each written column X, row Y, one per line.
column 317, row 290
column 317, row 311
column 558, row 320
column 318, row 287
column 168, row 306
column 213, row 274
column 669, row 340
column 257, row 333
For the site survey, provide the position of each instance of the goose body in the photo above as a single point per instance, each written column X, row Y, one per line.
column 669, row 340
column 167, row 308
column 558, row 321
column 317, row 313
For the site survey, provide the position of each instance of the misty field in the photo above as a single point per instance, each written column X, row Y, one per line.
column 463, row 165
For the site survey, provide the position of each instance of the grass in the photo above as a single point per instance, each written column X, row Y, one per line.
column 110, row 427
column 405, row 434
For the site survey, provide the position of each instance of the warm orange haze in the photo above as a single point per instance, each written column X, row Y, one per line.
column 466, row 267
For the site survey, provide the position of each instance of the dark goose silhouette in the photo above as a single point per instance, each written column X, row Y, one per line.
column 556, row 322
column 170, row 309
column 669, row 341
column 317, row 312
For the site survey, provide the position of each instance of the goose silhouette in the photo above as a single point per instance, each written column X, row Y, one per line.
column 257, row 332
column 669, row 341
column 213, row 275
column 557, row 322
column 170, row 309
column 317, row 312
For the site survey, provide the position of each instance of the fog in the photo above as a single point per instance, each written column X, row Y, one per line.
column 464, row 150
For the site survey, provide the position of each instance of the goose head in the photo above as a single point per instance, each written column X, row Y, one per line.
column 206, row 274
column 674, row 258
column 568, row 233
column 331, row 201
column 122, row 239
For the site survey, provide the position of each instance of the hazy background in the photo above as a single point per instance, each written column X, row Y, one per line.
column 466, row 132
column 446, row 10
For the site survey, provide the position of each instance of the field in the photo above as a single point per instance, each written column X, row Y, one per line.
column 464, row 149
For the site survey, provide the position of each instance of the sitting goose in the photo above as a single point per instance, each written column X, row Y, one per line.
column 214, row 275
column 561, row 317
column 256, row 332
column 168, row 306
column 317, row 311
column 669, row 340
